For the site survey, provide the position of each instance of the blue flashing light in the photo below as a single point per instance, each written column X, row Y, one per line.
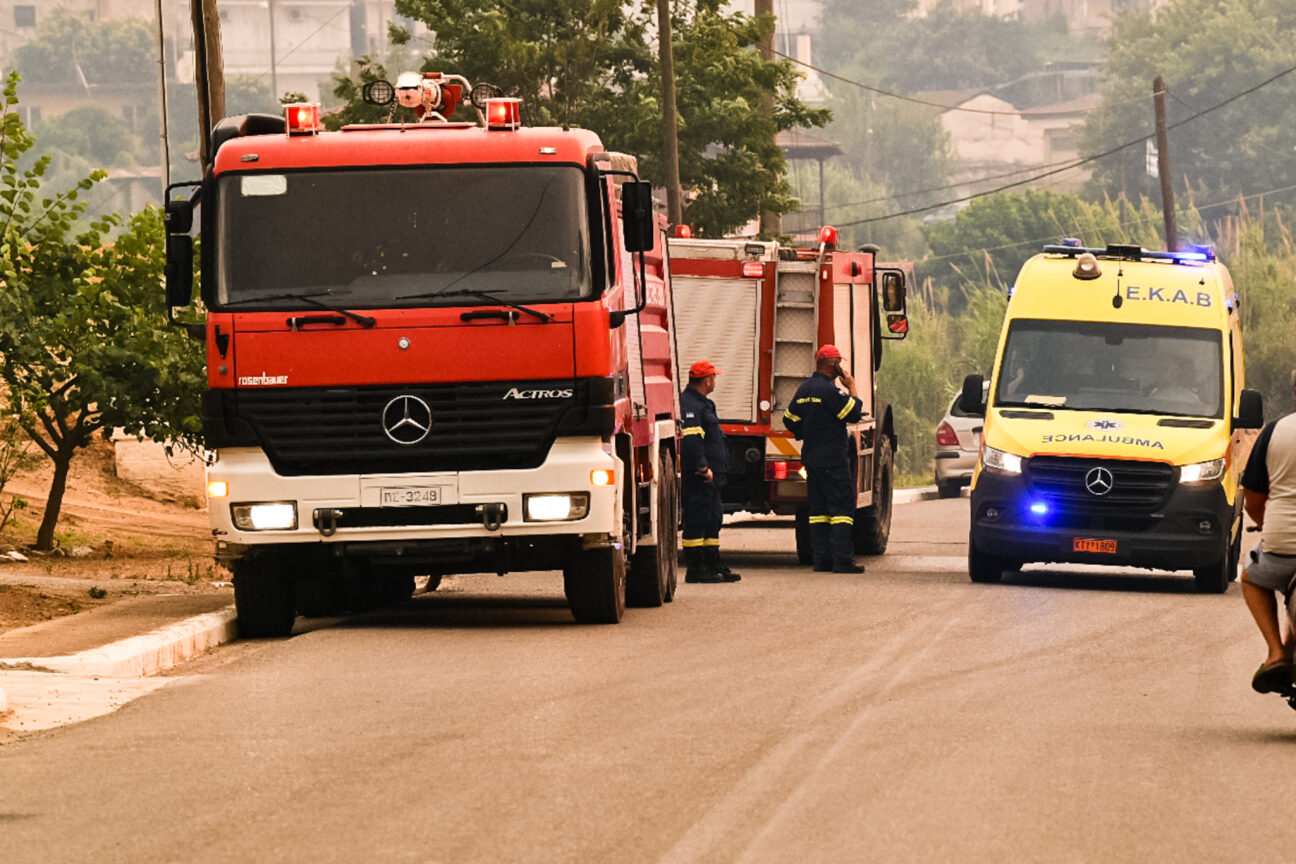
column 1073, row 242
column 1204, row 249
column 1039, row 508
column 1191, row 256
column 1011, row 290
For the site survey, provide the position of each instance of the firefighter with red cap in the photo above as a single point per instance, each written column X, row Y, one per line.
column 818, row 417
column 704, row 458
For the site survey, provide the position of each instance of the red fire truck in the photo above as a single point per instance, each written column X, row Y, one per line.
column 759, row 311
column 431, row 349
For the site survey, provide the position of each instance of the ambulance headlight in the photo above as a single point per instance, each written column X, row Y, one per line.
column 1202, row 472
column 556, row 507
column 265, row 516
column 998, row 460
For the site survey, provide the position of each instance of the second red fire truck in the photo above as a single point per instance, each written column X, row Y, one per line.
column 759, row 311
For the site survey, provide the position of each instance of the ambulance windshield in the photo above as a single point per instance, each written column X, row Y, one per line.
column 1098, row 366
column 399, row 237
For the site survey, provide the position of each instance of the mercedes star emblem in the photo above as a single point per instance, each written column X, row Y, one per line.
column 1098, row 481
column 407, row 420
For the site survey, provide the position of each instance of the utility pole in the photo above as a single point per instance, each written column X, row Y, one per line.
column 771, row 223
column 670, row 124
column 274, row 62
column 162, row 101
column 209, row 73
column 1163, row 165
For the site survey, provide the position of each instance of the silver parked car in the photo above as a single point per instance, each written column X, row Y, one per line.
column 958, row 438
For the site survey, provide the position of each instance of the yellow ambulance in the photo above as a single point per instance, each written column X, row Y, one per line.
column 1110, row 417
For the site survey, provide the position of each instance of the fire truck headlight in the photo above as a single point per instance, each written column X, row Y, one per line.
column 1202, row 472
column 555, row 507
column 998, row 460
column 265, row 516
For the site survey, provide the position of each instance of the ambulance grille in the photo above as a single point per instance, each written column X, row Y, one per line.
column 314, row 431
column 1134, row 485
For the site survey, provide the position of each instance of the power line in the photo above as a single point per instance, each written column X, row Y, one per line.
column 915, row 100
column 1077, row 163
column 1134, row 220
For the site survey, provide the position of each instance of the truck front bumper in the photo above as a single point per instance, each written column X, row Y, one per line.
column 444, row 514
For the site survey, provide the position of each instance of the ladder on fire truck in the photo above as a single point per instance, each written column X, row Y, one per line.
column 796, row 316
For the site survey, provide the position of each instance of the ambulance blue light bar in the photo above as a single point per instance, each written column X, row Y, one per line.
column 1196, row 254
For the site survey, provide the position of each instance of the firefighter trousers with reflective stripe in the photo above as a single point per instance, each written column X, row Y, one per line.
column 703, row 512
column 831, row 494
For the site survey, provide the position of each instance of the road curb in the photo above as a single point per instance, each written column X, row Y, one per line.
column 917, row 493
column 143, row 655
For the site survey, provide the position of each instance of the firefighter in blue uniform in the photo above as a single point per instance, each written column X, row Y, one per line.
column 818, row 416
column 703, row 462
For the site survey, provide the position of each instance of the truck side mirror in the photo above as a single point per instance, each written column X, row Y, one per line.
column 178, row 217
column 637, row 215
column 973, row 398
column 1250, row 413
column 179, row 270
column 893, row 290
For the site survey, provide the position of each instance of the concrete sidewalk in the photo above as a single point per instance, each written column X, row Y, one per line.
column 133, row 638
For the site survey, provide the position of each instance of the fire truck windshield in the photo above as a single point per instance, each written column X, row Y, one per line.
column 403, row 237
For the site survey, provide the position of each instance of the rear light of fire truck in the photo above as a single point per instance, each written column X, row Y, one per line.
column 302, row 118
column 781, row 469
column 683, row 232
column 753, row 270
column 504, row 113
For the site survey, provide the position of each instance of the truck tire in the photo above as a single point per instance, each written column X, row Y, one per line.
column 594, row 581
column 805, row 552
column 653, row 569
column 873, row 523
column 322, row 594
column 265, row 598
column 987, row 568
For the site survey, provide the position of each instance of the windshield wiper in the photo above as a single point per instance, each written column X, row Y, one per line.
column 480, row 295
column 362, row 320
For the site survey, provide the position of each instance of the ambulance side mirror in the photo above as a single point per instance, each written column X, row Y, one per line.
column 637, row 215
column 1250, row 413
column 973, row 398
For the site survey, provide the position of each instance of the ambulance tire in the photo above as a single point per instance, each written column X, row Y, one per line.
column 653, row 569
column 873, row 523
column 986, row 568
column 265, row 597
column 594, row 581
column 805, row 553
column 1235, row 552
column 1214, row 579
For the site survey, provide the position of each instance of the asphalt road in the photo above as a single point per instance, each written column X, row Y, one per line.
column 902, row 715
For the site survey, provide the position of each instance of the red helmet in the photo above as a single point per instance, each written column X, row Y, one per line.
column 828, row 352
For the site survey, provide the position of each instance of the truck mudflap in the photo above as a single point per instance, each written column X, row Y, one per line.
column 573, row 493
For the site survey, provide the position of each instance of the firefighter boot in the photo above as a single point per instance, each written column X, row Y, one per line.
column 819, row 547
column 697, row 570
column 711, row 555
column 843, row 549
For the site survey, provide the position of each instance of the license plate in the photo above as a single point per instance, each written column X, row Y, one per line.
column 1086, row 544
column 409, row 496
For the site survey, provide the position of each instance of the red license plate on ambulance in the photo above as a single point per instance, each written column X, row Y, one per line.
column 1090, row 544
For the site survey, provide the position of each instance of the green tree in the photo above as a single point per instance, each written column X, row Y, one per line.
column 1206, row 51
column 89, row 133
column 993, row 236
column 81, row 329
column 71, row 48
